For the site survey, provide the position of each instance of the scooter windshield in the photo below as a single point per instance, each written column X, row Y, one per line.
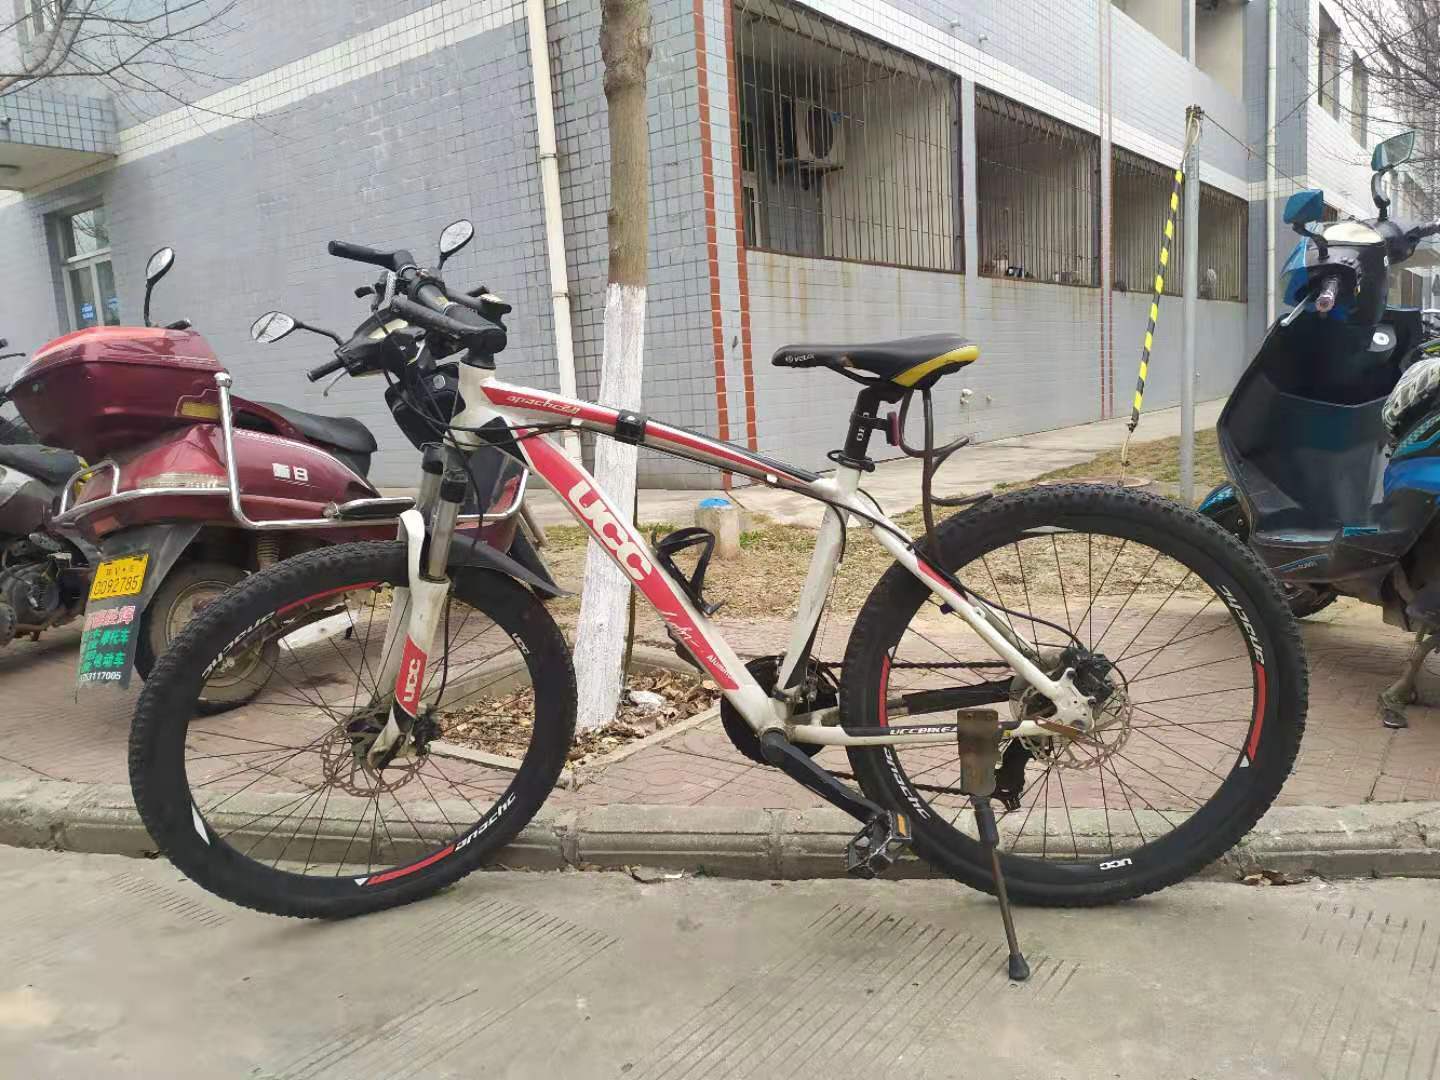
column 1295, row 274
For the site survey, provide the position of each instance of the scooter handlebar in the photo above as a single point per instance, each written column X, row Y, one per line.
column 1328, row 294
column 317, row 373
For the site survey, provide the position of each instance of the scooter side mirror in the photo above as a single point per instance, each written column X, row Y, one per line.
column 1393, row 152
column 271, row 327
column 1304, row 207
column 454, row 237
column 158, row 266
column 1388, row 155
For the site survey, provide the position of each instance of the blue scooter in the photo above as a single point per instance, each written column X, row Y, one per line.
column 1331, row 437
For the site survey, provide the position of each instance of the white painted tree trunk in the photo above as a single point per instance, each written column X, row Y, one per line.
column 601, row 637
column 604, row 624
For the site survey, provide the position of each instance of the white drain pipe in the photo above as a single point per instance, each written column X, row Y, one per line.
column 554, row 215
column 1272, row 19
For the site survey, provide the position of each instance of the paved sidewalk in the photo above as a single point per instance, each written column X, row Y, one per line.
column 1346, row 759
column 117, row 968
column 1346, row 756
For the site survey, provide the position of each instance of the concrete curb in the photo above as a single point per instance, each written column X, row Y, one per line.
column 1380, row 839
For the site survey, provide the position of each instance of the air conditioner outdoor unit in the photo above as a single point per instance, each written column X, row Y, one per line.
column 814, row 136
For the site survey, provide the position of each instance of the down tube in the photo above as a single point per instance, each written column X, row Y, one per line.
column 580, row 493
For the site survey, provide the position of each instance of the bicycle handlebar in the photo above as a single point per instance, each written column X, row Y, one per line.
column 473, row 330
column 390, row 260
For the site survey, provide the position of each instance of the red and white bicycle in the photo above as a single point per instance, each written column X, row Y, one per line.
column 1116, row 672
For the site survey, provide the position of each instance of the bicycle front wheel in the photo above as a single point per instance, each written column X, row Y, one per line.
column 277, row 804
column 1179, row 634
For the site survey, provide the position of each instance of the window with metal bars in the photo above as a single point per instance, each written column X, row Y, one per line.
column 1141, row 199
column 849, row 149
column 1224, row 232
column 1037, row 195
column 1142, row 191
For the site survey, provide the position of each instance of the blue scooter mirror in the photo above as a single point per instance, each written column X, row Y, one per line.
column 1305, row 207
column 1394, row 151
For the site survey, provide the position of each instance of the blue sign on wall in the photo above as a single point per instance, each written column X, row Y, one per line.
column 87, row 312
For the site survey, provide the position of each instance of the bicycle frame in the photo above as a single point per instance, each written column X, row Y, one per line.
column 488, row 399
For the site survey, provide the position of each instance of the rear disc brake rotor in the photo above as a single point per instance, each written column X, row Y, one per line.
column 1112, row 713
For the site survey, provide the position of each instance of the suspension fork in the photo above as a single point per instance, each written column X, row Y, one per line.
column 416, row 611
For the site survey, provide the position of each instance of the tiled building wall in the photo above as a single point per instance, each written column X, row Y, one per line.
column 38, row 117
column 382, row 136
column 382, row 122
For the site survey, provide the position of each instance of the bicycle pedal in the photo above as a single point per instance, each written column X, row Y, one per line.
column 876, row 847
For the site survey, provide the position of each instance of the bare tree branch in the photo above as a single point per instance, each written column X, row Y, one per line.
column 104, row 40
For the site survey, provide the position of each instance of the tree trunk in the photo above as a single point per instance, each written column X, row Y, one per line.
column 601, row 637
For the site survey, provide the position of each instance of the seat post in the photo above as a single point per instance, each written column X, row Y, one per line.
column 864, row 419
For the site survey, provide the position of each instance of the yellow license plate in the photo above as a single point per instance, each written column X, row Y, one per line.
column 119, row 577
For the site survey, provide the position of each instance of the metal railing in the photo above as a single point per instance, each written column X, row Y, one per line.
column 335, row 515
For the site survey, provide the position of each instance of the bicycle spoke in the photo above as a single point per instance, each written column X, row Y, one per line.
column 1126, row 602
column 1187, row 725
column 1060, row 577
column 1141, row 602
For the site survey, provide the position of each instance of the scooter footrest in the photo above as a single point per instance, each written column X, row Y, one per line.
column 382, row 509
column 875, row 848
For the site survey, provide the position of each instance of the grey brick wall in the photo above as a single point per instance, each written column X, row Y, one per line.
column 388, row 160
column 679, row 373
column 1039, row 363
column 390, row 157
column 38, row 116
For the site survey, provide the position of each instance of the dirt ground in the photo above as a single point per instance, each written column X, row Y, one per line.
column 765, row 581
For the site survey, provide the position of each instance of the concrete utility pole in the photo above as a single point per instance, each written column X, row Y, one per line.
column 1190, row 230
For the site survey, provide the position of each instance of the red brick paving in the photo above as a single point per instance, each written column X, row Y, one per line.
column 1346, row 756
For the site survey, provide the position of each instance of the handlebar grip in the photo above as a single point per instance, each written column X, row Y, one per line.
column 359, row 253
column 475, row 331
column 317, row 373
column 1328, row 294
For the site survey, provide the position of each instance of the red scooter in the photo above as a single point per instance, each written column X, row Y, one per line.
column 181, row 501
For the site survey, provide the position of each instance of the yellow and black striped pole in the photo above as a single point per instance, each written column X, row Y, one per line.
column 1165, row 243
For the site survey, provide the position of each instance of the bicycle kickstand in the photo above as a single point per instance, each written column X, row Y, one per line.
column 979, row 745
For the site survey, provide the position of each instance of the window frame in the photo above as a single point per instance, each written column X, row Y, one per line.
column 1328, row 43
column 991, row 108
column 88, row 263
column 859, row 211
column 1359, row 101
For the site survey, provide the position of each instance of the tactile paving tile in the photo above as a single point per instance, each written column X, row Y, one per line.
column 425, row 1035
column 861, row 990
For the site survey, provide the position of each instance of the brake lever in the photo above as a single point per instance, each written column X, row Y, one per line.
column 1295, row 312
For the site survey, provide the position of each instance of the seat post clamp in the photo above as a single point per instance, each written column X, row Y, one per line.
column 630, row 427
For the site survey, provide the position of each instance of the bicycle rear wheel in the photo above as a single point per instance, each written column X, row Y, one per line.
column 274, row 805
column 1169, row 622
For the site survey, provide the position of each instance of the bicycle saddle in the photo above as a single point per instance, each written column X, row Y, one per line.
column 913, row 362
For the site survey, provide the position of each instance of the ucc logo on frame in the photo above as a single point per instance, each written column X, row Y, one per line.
column 610, row 531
